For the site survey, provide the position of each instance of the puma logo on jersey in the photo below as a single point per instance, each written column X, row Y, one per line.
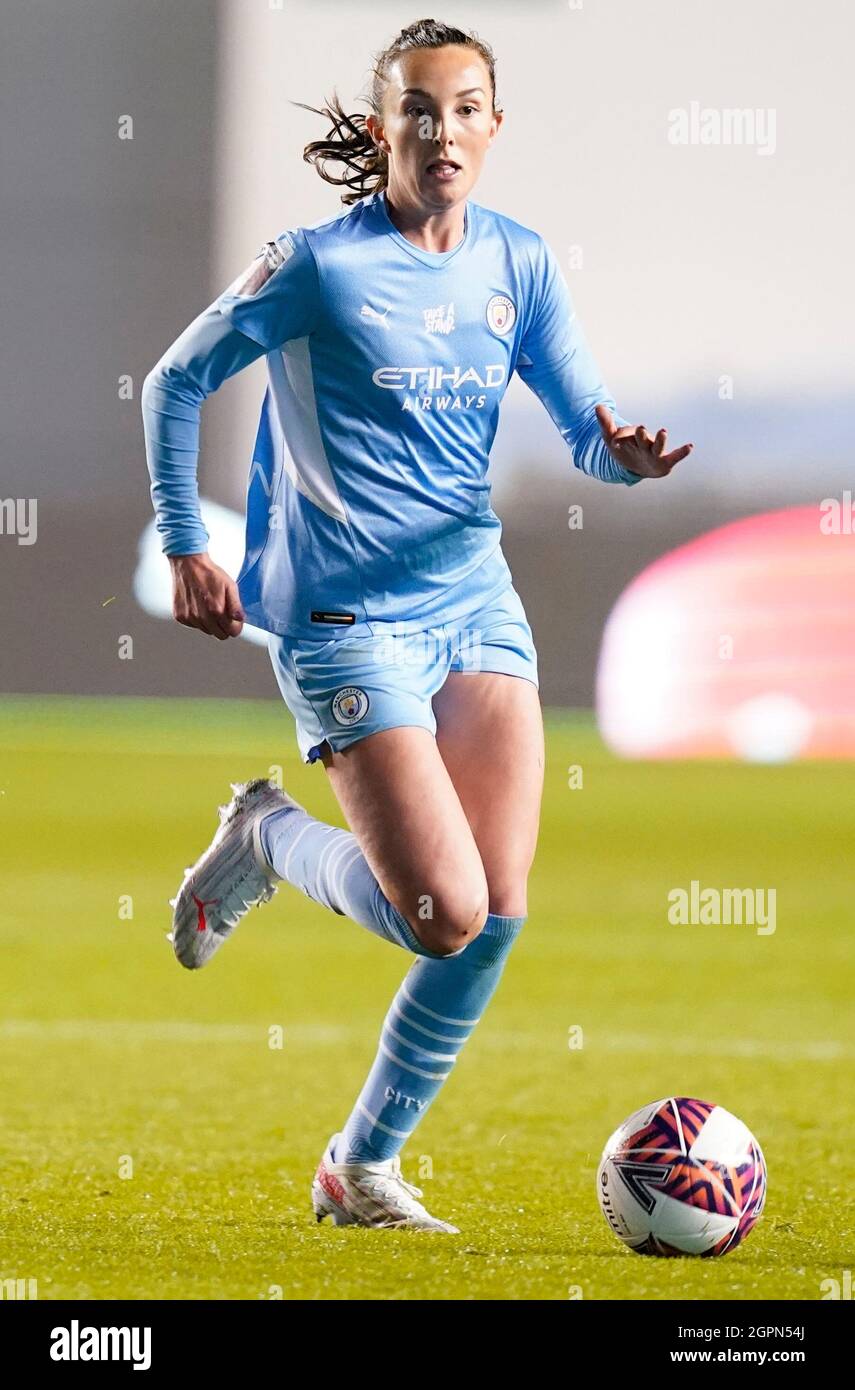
column 368, row 313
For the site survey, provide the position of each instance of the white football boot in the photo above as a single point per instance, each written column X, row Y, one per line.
column 370, row 1194
column 230, row 877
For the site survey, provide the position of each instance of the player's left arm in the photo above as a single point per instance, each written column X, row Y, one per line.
column 556, row 363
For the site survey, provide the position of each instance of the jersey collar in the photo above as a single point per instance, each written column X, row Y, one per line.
column 433, row 258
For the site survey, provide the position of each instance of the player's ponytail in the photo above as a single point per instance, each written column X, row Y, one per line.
column 348, row 143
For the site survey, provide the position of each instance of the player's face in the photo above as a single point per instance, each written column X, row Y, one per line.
column 437, row 125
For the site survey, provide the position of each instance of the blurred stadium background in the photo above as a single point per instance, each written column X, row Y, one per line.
column 689, row 266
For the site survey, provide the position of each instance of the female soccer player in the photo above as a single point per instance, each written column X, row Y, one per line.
column 373, row 560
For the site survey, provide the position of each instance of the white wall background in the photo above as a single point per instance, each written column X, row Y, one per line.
column 699, row 260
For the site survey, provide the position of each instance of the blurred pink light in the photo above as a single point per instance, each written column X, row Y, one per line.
column 739, row 644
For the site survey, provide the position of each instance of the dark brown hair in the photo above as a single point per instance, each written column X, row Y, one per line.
column 366, row 168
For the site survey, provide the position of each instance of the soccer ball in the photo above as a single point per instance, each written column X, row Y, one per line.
column 682, row 1177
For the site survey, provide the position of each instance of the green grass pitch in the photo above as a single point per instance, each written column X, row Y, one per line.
column 155, row 1145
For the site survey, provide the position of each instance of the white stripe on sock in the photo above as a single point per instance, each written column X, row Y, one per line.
column 332, row 848
column 309, row 823
column 438, row 1037
column 440, row 1018
column 328, row 851
column 378, row 1124
column 434, row 1056
column 428, row 1075
column 340, row 875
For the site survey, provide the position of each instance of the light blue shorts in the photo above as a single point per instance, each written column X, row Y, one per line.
column 385, row 674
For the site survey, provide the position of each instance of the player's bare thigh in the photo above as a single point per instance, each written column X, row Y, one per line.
column 399, row 801
column 453, row 822
column 490, row 737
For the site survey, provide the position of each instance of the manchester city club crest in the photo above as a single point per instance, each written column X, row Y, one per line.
column 349, row 705
column 501, row 314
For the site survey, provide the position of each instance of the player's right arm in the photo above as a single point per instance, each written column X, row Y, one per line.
column 273, row 301
column 207, row 352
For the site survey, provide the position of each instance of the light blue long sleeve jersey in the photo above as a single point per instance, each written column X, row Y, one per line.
column 368, row 497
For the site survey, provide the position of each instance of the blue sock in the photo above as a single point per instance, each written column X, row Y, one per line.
column 431, row 1016
column 328, row 865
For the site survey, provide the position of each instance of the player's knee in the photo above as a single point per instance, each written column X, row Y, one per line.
column 446, row 922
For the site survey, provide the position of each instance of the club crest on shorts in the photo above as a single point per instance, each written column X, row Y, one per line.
column 501, row 314
column 349, row 705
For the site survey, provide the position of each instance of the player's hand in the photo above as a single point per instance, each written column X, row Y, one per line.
column 636, row 450
column 204, row 596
